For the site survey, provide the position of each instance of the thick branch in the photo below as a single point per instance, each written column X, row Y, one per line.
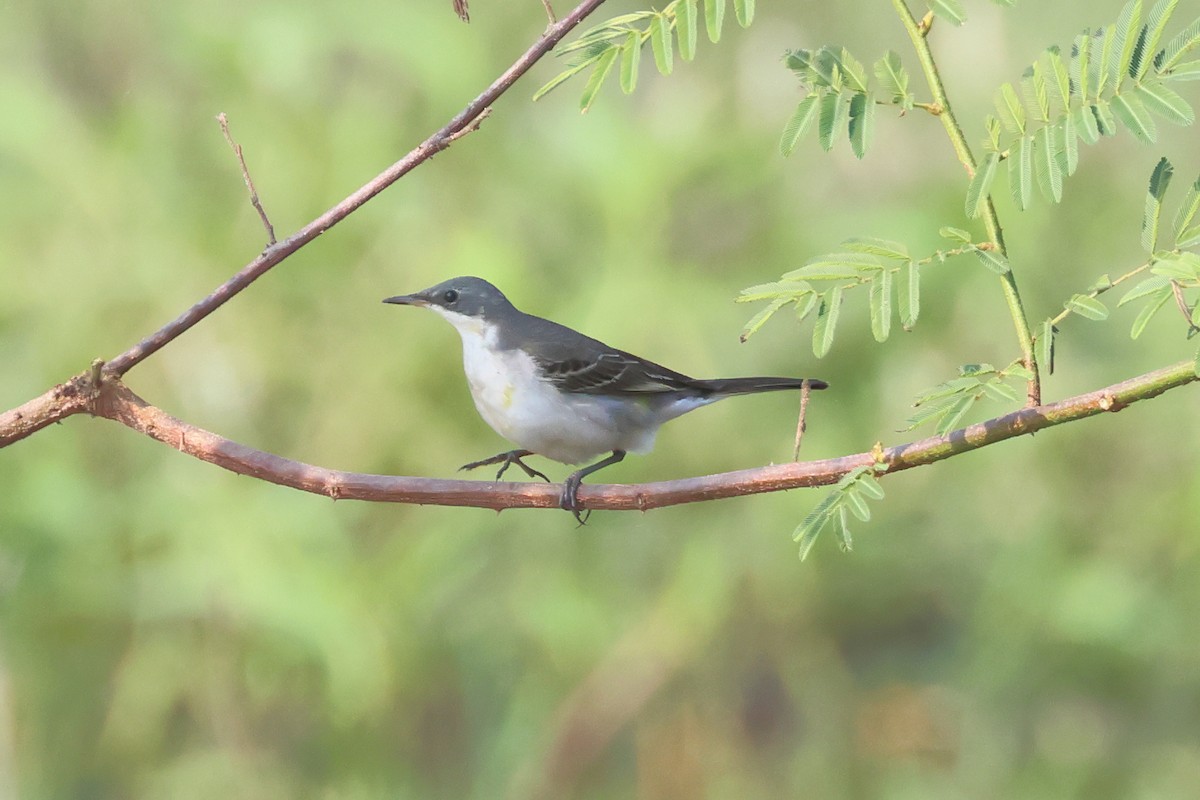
column 115, row 401
column 443, row 138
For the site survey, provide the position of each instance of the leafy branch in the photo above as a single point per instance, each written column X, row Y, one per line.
column 1117, row 73
column 621, row 39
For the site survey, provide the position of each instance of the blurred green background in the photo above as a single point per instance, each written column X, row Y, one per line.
column 1019, row 622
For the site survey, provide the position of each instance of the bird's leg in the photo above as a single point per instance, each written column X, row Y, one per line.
column 570, row 495
column 506, row 460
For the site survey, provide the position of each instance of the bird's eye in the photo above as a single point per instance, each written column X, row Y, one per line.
column 451, row 297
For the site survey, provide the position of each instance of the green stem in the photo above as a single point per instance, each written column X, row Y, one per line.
column 990, row 219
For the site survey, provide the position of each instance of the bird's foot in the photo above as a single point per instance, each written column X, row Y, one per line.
column 506, row 460
column 569, row 500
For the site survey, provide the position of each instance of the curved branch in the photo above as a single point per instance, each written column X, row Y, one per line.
column 115, row 401
column 463, row 122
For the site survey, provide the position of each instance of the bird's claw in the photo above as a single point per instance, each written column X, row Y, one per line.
column 506, row 460
column 569, row 500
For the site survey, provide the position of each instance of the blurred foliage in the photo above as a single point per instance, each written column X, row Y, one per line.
column 1018, row 623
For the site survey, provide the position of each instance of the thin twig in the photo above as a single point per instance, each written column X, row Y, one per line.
column 460, row 8
column 801, row 424
column 1184, row 308
column 273, row 255
column 917, row 33
column 549, row 11
column 223, row 121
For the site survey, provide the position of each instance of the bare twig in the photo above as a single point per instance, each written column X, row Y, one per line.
column 549, row 11
column 460, row 8
column 223, row 121
column 801, row 424
column 276, row 253
column 113, row 400
column 1184, row 308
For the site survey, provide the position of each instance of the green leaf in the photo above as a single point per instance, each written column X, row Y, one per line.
column 1152, row 307
column 954, row 414
column 1145, row 289
column 808, row 530
column 1179, row 266
column 1188, row 238
column 1129, row 26
column 869, row 486
column 1045, row 346
column 1046, row 164
column 1188, row 71
column 686, row 28
column 744, row 11
column 949, row 10
column 1087, row 307
column 1020, row 172
column 1179, row 46
column 1156, row 23
column 1033, row 86
column 852, row 71
column 824, row 68
column 773, row 289
column 832, row 122
column 1106, row 123
column 1187, row 212
column 1012, row 113
column 835, row 267
column 1164, row 102
column 604, row 65
column 826, row 324
column 877, row 247
column 981, row 185
column 1160, row 179
column 1104, row 64
column 1000, row 392
column 993, row 127
column 954, row 234
column 760, row 319
column 993, row 260
column 881, row 306
column 714, row 18
column 908, row 295
column 560, row 78
column 1070, row 143
column 799, row 124
column 1129, row 109
column 630, row 55
column 1080, row 70
column 1061, row 79
column 891, row 73
column 1085, row 124
column 856, row 504
column 660, row 42
column 862, row 123
column 805, row 305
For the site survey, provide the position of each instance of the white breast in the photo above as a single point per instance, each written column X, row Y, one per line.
column 534, row 415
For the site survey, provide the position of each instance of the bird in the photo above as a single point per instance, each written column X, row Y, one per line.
column 557, row 393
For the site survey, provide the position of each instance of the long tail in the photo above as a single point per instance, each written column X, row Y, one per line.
column 727, row 386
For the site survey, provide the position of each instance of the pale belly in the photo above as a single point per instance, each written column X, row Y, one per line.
column 535, row 416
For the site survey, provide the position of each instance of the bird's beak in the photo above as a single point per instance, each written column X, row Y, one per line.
column 407, row 300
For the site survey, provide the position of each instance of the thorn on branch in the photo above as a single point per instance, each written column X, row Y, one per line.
column 97, row 374
column 223, row 121
column 550, row 12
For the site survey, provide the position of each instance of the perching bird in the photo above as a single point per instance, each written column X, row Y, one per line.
column 556, row 393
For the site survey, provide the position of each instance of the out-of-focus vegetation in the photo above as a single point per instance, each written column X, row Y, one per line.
column 1020, row 622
